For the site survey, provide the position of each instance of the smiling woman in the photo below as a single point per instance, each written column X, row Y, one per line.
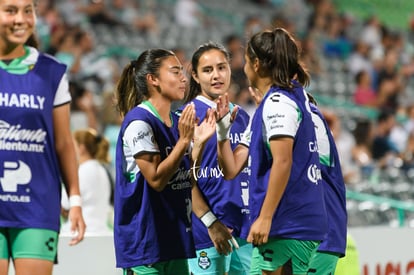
column 42, row 153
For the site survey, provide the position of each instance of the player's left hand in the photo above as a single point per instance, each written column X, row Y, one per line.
column 259, row 231
column 78, row 226
column 207, row 127
column 220, row 235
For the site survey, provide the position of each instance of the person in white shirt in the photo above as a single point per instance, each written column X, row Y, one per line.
column 94, row 182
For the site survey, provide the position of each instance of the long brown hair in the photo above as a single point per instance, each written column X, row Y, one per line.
column 96, row 145
column 279, row 57
column 132, row 87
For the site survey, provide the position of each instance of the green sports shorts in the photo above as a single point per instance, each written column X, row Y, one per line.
column 30, row 243
column 210, row 262
column 323, row 263
column 162, row 268
column 277, row 252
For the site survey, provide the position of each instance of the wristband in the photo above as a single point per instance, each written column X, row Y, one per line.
column 75, row 200
column 223, row 127
column 208, row 219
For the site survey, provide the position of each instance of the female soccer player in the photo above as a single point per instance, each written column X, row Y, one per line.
column 286, row 198
column 152, row 227
column 36, row 148
column 227, row 200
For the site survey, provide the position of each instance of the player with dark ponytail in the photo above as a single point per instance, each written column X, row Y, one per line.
column 152, row 223
column 285, row 195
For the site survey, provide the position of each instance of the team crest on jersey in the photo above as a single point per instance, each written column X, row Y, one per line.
column 203, row 261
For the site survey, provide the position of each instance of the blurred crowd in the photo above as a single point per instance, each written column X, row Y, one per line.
column 374, row 60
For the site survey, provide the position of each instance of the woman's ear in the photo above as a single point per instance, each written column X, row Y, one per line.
column 195, row 76
column 256, row 64
column 152, row 80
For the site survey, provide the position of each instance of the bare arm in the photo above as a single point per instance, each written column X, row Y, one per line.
column 218, row 232
column 232, row 162
column 281, row 149
column 158, row 172
column 69, row 166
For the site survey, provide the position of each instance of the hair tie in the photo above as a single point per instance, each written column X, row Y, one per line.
column 98, row 139
column 134, row 63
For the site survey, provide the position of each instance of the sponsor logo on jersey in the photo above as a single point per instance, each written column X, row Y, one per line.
column 314, row 173
column 16, row 138
column 181, row 179
column 13, row 174
column 235, row 138
column 313, row 146
column 140, row 136
column 22, row 101
column 210, row 172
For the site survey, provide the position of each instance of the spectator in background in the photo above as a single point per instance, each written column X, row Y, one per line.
column 83, row 110
column 252, row 25
column 234, row 43
column 344, row 142
column 361, row 152
column 238, row 91
column 56, row 36
column 364, row 94
column 336, row 43
column 280, row 20
column 96, row 12
column 359, row 59
column 408, row 155
column 48, row 18
column 129, row 13
column 311, row 57
column 95, row 182
column 372, row 33
column 399, row 134
column 409, row 123
column 390, row 81
column 383, row 150
column 69, row 52
column 188, row 14
column 71, row 14
column 322, row 12
column 95, row 70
